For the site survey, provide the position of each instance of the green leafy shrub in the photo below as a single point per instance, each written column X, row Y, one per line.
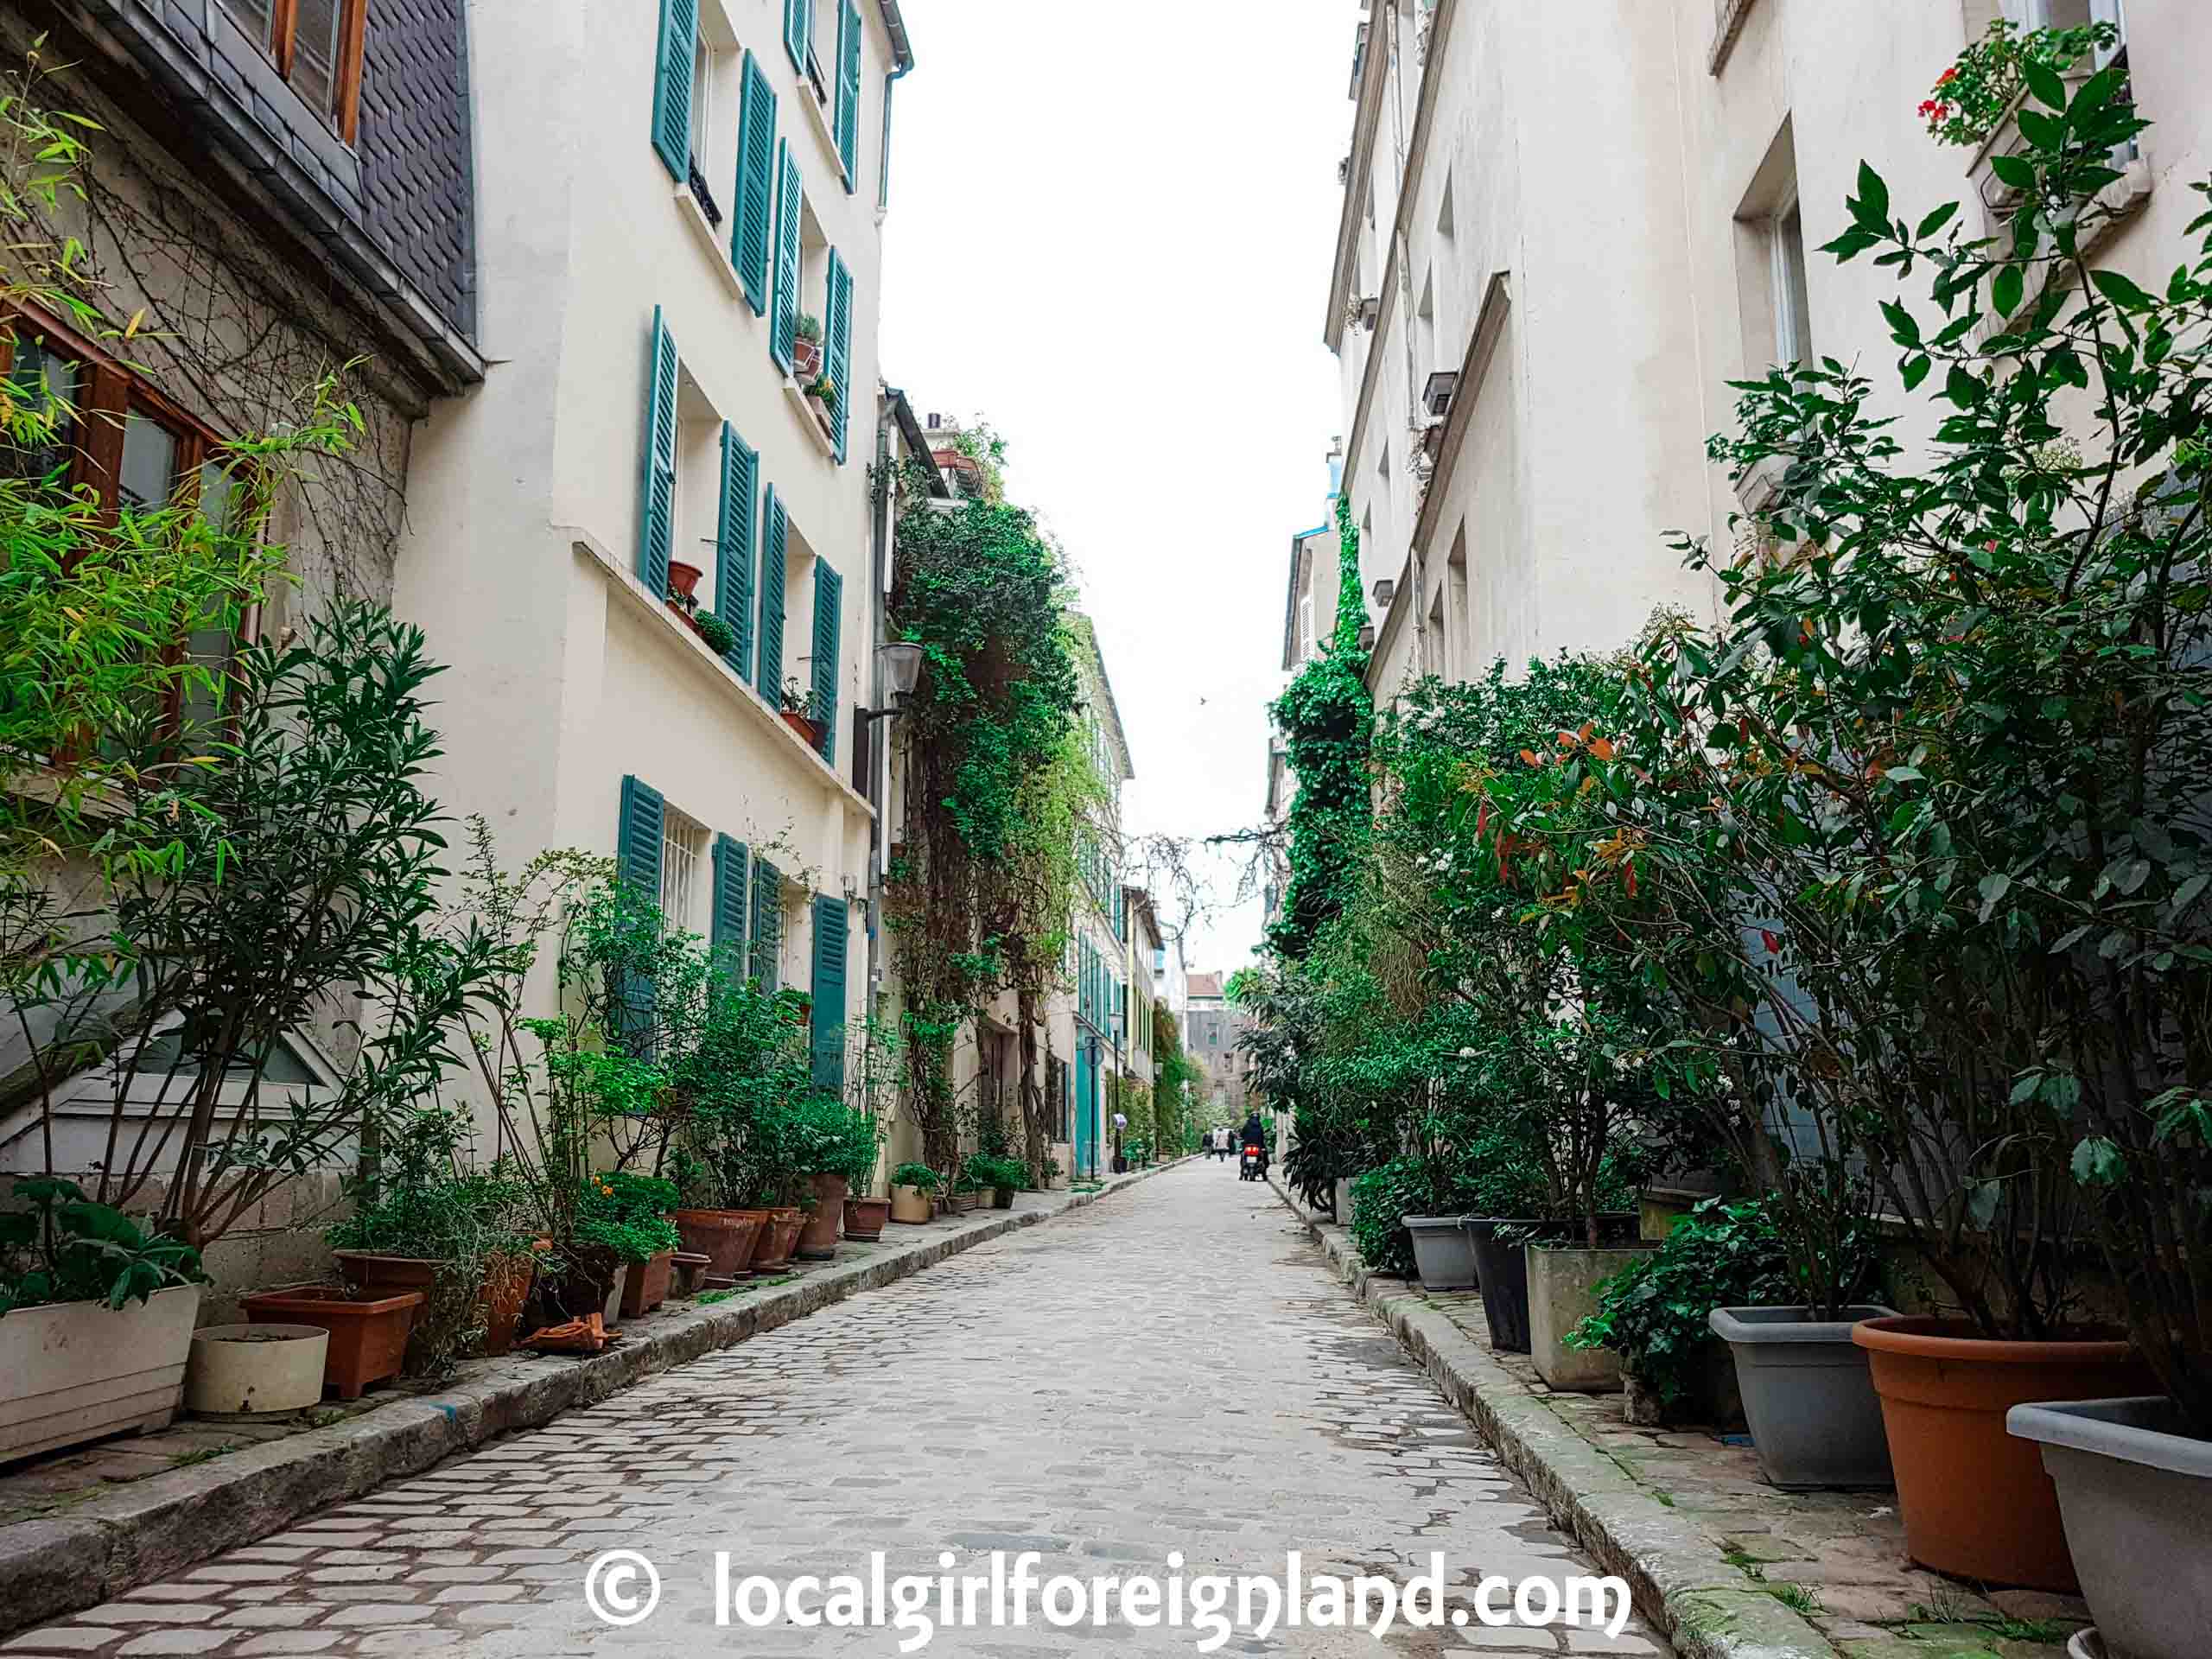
column 1005, row 1173
column 714, row 633
column 626, row 1215
column 1652, row 1313
column 66, row 1248
column 920, row 1177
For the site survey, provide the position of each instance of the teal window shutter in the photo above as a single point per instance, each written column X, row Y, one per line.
column 657, row 534
column 837, row 330
column 783, row 326
column 799, row 27
column 767, row 921
column 753, row 223
column 637, row 866
column 672, row 63
column 849, row 93
column 829, row 945
column 637, row 837
column 775, row 532
column 734, row 547
column 732, row 892
column 829, row 625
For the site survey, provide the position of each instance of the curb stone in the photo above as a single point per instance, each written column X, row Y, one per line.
column 1707, row 1608
column 61, row 1563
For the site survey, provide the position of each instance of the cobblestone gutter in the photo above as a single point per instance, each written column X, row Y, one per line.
column 137, row 1534
column 1706, row 1607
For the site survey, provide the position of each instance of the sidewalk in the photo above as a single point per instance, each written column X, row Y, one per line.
column 1727, row 1567
column 84, row 1527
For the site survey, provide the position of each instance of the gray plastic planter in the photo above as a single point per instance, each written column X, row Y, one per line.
column 2136, row 1496
column 1442, row 1251
column 1815, row 1419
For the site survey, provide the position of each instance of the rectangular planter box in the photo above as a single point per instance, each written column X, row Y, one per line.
column 1443, row 1253
column 78, row 1370
column 1562, row 1282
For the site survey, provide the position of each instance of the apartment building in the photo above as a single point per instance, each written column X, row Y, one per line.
column 1564, row 229
column 1088, row 1022
column 677, row 296
column 270, row 193
column 1210, row 1036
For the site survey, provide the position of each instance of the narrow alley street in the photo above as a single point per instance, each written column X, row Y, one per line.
column 1169, row 1371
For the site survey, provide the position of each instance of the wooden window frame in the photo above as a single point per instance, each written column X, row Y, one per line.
column 346, row 73
column 108, row 393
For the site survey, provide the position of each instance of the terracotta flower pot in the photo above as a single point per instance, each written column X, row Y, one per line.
column 386, row 1275
column 911, row 1205
column 779, row 1239
column 725, row 1237
column 865, row 1217
column 817, row 1239
column 368, row 1338
column 1976, row 1502
column 506, row 1288
column 682, row 578
column 690, row 1273
column 645, row 1287
column 805, row 725
column 806, row 359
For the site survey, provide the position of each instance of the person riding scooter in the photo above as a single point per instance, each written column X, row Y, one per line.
column 1253, row 1138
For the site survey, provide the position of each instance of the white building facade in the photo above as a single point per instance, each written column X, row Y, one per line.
column 1564, row 229
column 649, row 277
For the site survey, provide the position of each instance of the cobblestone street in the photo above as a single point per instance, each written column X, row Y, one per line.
column 1169, row 1371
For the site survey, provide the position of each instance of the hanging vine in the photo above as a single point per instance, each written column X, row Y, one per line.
column 1327, row 721
column 980, row 589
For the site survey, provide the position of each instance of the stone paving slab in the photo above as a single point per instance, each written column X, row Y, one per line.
column 86, row 1528
column 1711, row 1549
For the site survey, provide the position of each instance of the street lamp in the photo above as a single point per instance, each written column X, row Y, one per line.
column 901, row 663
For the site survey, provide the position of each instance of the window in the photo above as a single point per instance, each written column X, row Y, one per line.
column 682, row 842
column 316, row 45
column 122, row 437
column 1793, row 327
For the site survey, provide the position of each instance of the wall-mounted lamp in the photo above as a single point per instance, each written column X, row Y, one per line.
column 901, row 660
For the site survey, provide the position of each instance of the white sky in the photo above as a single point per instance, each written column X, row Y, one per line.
column 1110, row 233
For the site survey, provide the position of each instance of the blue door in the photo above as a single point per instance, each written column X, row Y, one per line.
column 1086, row 1106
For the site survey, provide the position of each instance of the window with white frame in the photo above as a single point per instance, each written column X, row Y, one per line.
column 716, row 63
column 1793, row 321
column 683, row 847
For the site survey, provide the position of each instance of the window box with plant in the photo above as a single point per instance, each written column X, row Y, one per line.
column 822, row 398
column 96, row 1321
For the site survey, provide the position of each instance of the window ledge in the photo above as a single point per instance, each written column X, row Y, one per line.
column 819, row 114
column 626, row 587
column 688, row 209
column 803, row 406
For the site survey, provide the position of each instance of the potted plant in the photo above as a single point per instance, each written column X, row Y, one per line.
column 1002, row 1175
column 806, row 349
column 682, row 581
column 628, row 1215
column 912, row 1188
column 865, row 1217
column 838, row 1150
column 96, row 1321
column 424, row 1220
column 795, row 707
column 368, row 1334
column 1657, row 1314
column 822, row 392
column 714, row 633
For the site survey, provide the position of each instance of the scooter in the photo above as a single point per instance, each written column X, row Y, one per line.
column 1253, row 1165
